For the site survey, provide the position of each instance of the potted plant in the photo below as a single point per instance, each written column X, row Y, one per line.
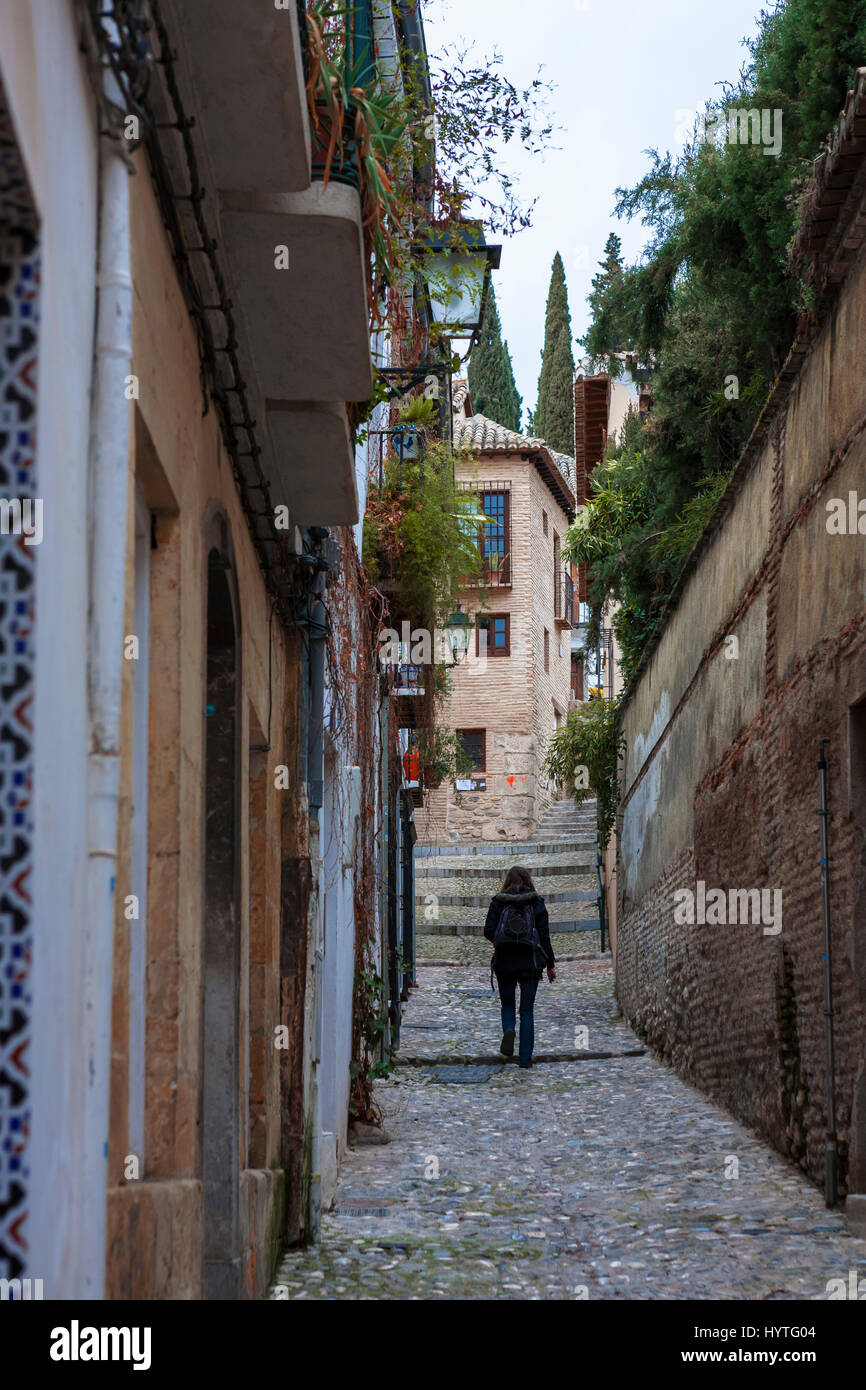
column 412, row 424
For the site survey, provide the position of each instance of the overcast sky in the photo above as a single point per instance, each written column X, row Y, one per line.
column 625, row 72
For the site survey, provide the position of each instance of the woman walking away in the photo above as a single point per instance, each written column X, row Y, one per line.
column 517, row 924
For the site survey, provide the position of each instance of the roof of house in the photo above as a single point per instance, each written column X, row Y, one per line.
column 565, row 464
column 478, row 434
column 460, row 402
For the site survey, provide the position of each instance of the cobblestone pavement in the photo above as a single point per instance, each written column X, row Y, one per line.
column 600, row 1178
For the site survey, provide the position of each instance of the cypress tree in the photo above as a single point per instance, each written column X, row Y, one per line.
column 491, row 375
column 607, row 280
column 553, row 419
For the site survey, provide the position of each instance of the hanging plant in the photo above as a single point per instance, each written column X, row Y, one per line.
column 389, row 129
column 361, row 124
column 420, row 411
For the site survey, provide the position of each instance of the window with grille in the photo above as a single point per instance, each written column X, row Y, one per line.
column 495, row 538
column 546, row 650
column 474, row 747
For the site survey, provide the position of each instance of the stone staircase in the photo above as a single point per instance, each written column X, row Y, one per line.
column 454, row 883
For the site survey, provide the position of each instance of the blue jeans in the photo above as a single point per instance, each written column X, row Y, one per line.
column 507, row 995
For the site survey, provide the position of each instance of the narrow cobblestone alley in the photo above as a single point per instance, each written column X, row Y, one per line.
column 595, row 1178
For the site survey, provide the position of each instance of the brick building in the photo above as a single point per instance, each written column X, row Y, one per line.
column 506, row 706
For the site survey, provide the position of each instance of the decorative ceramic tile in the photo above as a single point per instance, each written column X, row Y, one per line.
column 19, row 316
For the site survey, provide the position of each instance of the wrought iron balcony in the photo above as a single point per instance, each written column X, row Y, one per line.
column 494, row 536
column 564, row 599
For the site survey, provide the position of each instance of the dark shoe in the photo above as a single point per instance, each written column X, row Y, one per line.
column 526, row 1065
column 506, row 1047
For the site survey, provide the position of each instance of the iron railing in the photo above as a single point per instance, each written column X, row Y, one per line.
column 598, row 666
column 495, row 572
column 564, row 598
column 602, row 897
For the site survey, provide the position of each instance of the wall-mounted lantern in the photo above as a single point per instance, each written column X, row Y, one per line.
column 455, row 267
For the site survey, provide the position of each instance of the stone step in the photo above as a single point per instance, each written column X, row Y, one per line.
column 577, row 826
column 586, row 817
column 430, row 917
column 483, row 900
column 563, row 827
column 585, row 826
column 473, row 929
column 423, row 871
column 524, row 847
column 566, row 825
column 572, row 828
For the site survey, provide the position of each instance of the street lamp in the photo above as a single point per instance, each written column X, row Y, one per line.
column 458, row 635
column 455, row 271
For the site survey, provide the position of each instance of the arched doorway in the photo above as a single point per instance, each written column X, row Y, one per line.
column 221, row 1101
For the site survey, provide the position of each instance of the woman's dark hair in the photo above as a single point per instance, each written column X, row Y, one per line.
column 518, row 880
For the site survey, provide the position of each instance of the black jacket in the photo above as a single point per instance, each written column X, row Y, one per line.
column 519, row 962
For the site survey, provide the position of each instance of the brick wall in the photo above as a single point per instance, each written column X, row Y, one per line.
column 720, row 781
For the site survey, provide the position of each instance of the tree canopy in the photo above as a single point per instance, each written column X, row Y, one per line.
column 710, row 308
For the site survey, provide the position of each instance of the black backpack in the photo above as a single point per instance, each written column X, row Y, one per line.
column 516, row 929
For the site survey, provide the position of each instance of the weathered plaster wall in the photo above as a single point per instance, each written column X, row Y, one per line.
column 155, row 1222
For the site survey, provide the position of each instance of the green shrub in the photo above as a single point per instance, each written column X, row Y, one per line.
column 583, row 756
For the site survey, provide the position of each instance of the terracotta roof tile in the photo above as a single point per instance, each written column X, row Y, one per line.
column 480, row 433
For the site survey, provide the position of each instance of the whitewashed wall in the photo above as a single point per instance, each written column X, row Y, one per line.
column 53, row 113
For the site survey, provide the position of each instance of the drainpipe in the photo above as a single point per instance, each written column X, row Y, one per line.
column 316, row 796
column 831, row 1152
column 316, row 747
column 108, row 498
